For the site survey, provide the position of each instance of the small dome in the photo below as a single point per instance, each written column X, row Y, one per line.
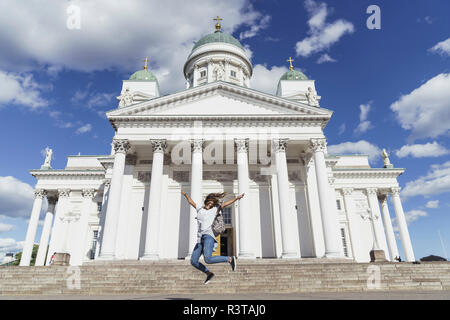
column 143, row 75
column 294, row 75
column 218, row 36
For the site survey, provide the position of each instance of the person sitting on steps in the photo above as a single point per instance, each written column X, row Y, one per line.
column 206, row 241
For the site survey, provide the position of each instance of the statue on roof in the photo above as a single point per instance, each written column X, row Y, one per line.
column 48, row 158
column 125, row 99
column 386, row 161
column 311, row 96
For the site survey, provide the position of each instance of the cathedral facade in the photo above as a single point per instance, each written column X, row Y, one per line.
column 218, row 135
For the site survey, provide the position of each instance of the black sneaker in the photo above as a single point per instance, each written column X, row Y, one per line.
column 233, row 263
column 209, row 277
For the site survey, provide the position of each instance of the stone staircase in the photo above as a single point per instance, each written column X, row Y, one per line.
column 261, row 276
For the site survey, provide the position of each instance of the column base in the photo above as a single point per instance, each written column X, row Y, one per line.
column 105, row 257
column 151, row 256
column 246, row 255
column 290, row 255
column 333, row 255
column 61, row 259
column 377, row 256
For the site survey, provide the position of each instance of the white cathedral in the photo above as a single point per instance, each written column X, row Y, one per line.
column 218, row 135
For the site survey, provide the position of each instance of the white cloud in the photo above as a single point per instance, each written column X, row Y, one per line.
column 254, row 29
column 9, row 245
column 4, row 227
column 364, row 124
column 442, row 48
column 424, row 111
column 413, row 215
column 16, row 197
column 114, row 35
column 359, row 147
column 266, row 79
column 342, row 128
column 437, row 181
column 432, row 204
column 325, row 58
column 83, row 129
column 322, row 35
column 20, row 89
column 422, row 150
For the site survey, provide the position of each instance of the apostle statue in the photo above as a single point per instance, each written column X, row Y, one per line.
column 126, row 98
column 48, row 158
column 386, row 161
column 312, row 97
column 220, row 71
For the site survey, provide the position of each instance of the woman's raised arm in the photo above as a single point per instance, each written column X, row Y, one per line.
column 191, row 202
column 230, row 202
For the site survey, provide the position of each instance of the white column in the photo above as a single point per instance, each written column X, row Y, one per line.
column 83, row 226
column 39, row 194
column 196, row 190
column 329, row 218
column 402, row 226
column 374, row 215
column 195, row 77
column 246, row 250
column 57, row 233
column 151, row 251
column 108, row 244
column 288, row 237
column 393, row 250
column 45, row 235
column 106, row 185
column 209, row 74
column 352, row 226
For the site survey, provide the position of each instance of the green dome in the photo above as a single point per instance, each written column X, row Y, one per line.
column 143, row 75
column 293, row 75
column 218, row 36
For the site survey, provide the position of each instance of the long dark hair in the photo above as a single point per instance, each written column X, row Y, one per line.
column 215, row 198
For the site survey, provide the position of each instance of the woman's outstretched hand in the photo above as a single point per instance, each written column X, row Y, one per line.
column 183, row 193
column 240, row 196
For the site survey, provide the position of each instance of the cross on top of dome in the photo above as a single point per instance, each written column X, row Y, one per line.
column 217, row 19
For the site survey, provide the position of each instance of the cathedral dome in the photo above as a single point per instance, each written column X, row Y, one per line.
column 294, row 75
column 218, row 36
column 143, row 75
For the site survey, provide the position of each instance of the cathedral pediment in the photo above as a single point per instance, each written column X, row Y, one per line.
column 219, row 99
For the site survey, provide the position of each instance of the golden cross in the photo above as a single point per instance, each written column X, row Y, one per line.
column 217, row 23
column 290, row 60
column 146, row 61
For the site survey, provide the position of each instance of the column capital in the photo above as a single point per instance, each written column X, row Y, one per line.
column 52, row 200
column 197, row 145
column 63, row 193
column 121, row 145
column 159, row 145
column 107, row 183
column 318, row 145
column 280, row 145
column 40, row 193
column 347, row 191
column 395, row 191
column 372, row 191
column 88, row 193
column 241, row 145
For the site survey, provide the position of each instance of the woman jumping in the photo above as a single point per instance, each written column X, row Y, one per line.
column 206, row 241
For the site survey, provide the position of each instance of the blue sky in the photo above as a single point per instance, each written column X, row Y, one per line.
column 388, row 88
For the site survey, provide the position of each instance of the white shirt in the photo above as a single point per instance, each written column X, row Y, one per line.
column 205, row 219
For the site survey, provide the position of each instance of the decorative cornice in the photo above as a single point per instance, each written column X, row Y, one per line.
column 67, row 173
column 366, row 173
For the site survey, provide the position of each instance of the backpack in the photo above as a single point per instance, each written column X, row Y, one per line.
column 218, row 226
